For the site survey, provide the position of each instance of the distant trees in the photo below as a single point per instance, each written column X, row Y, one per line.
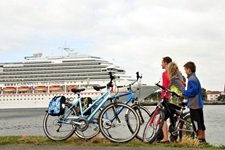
column 221, row 98
column 204, row 94
column 154, row 96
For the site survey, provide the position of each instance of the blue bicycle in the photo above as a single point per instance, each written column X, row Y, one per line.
column 142, row 111
column 111, row 120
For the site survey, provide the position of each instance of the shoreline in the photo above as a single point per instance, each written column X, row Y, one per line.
column 205, row 103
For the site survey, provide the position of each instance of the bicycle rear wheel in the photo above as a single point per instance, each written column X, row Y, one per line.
column 187, row 128
column 59, row 129
column 144, row 115
column 113, row 121
column 152, row 128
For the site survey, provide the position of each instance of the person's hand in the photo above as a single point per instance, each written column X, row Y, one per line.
column 181, row 95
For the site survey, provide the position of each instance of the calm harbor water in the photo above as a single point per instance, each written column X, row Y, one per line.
column 29, row 122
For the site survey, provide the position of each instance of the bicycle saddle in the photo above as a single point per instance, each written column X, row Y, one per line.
column 77, row 90
column 97, row 88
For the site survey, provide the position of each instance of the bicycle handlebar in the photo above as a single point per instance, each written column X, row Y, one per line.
column 113, row 77
column 138, row 77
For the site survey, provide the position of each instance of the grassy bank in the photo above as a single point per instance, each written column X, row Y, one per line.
column 74, row 141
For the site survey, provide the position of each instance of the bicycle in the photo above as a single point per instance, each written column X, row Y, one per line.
column 62, row 127
column 180, row 120
column 142, row 111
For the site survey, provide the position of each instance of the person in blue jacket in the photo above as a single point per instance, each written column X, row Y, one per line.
column 195, row 100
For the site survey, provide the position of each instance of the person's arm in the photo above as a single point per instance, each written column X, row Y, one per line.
column 192, row 90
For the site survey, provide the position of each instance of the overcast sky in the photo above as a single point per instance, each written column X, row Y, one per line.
column 134, row 34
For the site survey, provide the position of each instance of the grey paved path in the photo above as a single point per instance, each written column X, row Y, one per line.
column 27, row 147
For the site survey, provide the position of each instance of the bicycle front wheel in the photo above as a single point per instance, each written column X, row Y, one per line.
column 113, row 122
column 154, row 125
column 144, row 115
column 59, row 128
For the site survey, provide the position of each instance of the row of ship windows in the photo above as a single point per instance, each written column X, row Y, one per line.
column 21, row 99
column 47, row 63
column 85, row 74
column 51, row 66
column 96, row 71
column 56, row 75
column 53, row 72
column 50, row 79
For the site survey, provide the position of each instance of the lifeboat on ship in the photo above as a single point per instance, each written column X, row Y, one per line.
column 41, row 88
column 9, row 89
column 24, row 88
column 55, row 88
column 70, row 87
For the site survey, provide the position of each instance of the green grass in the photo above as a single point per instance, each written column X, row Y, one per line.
column 75, row 141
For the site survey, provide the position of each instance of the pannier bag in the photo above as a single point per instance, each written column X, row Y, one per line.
column 57, row 106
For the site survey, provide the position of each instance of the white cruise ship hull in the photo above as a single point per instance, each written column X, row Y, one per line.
column 33, row 82
column 25, row 101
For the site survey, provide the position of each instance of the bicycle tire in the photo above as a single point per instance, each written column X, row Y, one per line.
column 114, row 127
column 55, row 130
column 92, row 130
column 187, row 125
column 152, row 131
column 144, row 115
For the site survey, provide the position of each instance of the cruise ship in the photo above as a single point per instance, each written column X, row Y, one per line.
column 33, row 82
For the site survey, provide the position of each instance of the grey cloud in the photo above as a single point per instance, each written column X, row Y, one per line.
column 135, row 33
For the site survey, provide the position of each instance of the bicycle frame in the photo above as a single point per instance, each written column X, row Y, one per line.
column 100, row 101
column 131, row 97
column 160, row 106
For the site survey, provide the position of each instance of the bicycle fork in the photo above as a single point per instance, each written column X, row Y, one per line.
column 153, row 118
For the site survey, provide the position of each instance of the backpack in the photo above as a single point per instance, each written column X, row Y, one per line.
column 57, row 106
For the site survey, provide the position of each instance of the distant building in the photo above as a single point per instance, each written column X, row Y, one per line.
column 213, row 95
column 223, row 93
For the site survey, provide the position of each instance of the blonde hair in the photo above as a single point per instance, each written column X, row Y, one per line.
column 172, row 70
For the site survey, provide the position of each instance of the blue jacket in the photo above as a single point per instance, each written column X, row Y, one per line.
column 193, row 92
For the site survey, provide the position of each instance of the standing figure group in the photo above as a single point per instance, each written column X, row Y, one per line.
column 173, row 79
